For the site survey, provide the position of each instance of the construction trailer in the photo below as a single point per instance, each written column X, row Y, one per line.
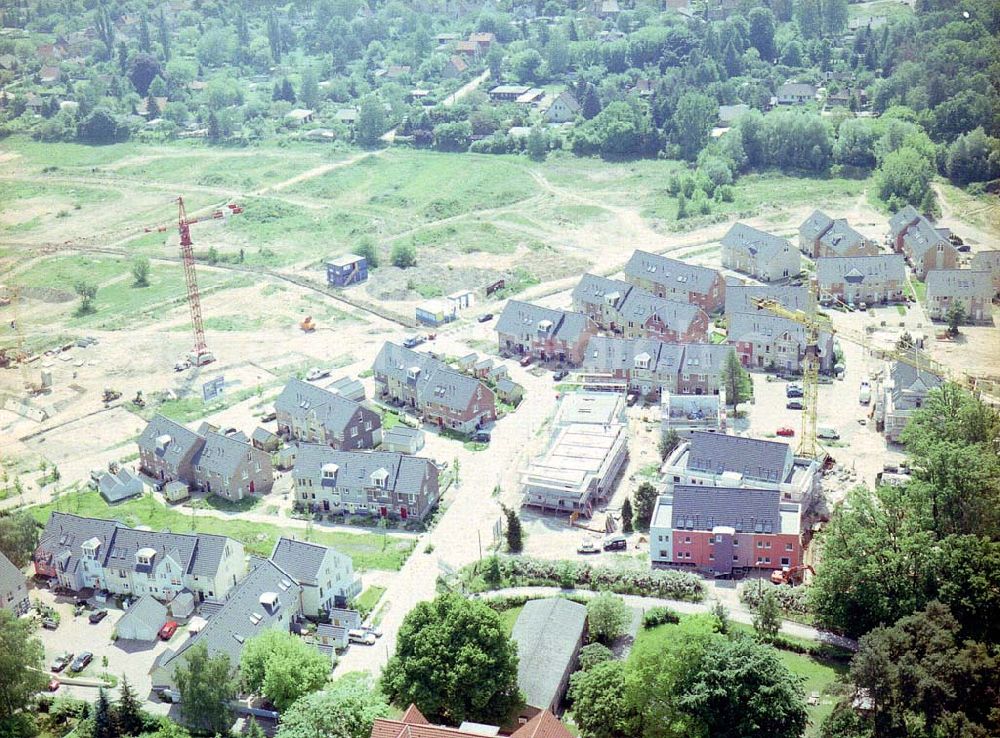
column 346, row 270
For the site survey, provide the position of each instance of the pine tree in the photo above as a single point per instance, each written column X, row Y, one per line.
column 128, row 712
column 214, row 129
column 492, row 573
column 682, row 211
column 164, row 35
column 152, row 108
column 287, row 91
column 104, row 718
column 627, row 516
column 254, row 730
column 274, row 37
column 515, row 535
column 144, row 43
column 591, row 105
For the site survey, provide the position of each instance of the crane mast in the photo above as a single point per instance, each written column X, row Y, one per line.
column 201, row 354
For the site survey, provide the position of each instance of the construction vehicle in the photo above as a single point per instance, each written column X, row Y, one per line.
column 307, row 324
column 817, row 324
column 110, row 395
column 791, row 574
column 139, row 400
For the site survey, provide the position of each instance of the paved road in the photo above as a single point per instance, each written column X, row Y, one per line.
column 737, row 612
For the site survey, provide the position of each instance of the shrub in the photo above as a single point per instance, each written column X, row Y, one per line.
column 593, row 654
column 790, row 599
column 659, row 616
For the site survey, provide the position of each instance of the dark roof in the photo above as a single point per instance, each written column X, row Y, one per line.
column 986, row 260
column 903, row 219
column 815, row 225
column 242, row 616
column 595, row 289
column 262, row 435
column 670, row 272
column 435, row 381
column 921, row 237
column 183, row 442
column 302, row 400
column 857, row 269
column 301, row 559
column 209, row 554
column 754, row 458
column 546, row 634
column 147, row 611
column 127, row 541
column 120, row 486
column 697, row 507
column 223, row 455
column 519, row 317
column 641, row 305
column 607, row 354
column 11, row 578
column 355, row 468
column 739, row 297
column 759, row 243
column 909, row 379
column 64, row 534
column 959, row 283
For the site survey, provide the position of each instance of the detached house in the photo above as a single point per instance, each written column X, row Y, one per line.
column 677, row 280
column 795, row 93
column 326, row 576
column 903, row 391
column 440, row 394
column 82, row 552
column 725, row 529
column 312, row 414
column 543, row 333
column 969, row 289
column 856, row 279
column 759, row 254
column 925, row 247
column 765, row 341
column 821, row 235
column 377, row 483
column 563, row 108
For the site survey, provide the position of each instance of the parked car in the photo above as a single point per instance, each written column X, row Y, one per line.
column 168, row 630
column 560, row 374
column 412, row 341
column 50, row 623
column 865, row 393
column 827, row 434
column 61, row 661
column 268, row 416
column 526, row 361
column 631, row 399
column 182, row 365
column 316, row 373
column 97, row 616
column 485, row 318
column 169, row 695
column 364, row 637
column 587, row 547
column 53, row 684
column 785, row 431
column 481, row 436
column 793, row 390
column 375, row 630
column 794, row 405
column 81, row 662
column 615, row 543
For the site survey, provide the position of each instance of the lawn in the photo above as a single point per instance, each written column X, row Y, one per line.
column 509, row 617
column 367, row 600
column 367, row 551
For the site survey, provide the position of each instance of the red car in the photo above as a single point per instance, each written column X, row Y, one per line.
column 785, row 431
column 168, row 630
column 53, row 684
column 526, row 361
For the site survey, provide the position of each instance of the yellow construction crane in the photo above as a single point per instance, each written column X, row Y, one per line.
column 815, row 326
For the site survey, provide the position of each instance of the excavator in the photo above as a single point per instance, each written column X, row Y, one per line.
column 791, row 574
column 307, row 324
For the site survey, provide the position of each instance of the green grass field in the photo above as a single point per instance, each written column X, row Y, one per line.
column 367, row 551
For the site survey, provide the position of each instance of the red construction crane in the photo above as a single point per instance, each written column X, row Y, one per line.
column 201, row 355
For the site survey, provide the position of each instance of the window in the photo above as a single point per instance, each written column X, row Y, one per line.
column 785, row 561
column 687, row 539
column 736, row 542
column 760, row 544
column 767, row 544
column 767, row 559
column 711, row 557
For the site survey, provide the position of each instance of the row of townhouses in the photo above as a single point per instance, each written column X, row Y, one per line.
column 762, row 255
column 311, row 414
column 227, row 465
column 543, row 333
column 823, row 236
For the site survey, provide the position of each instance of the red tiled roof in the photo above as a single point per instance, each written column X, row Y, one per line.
column 413, row 716
column 543, row 725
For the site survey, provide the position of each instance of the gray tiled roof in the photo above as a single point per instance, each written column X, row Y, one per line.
column 262, row 435
column 209, row 554
column 670, row 272
column 120, row 486
column 841, row 238
column 507, row 385
column 909, row 379
column 605, row 354
column 147, row 611
column 355, row 468
column 65, row 532
column 222, row 454
column 903, row 219
column 743, row 326
column 639, row 306
column 401, row 433
column 595, row 289
column 520, row 317
column 922, row 237
column 739, row 297
column 959, row 283
column 11, row 578
column 242, row 616
column 796, row 88
column 858, row 269
column 697, row 507
column 700, row 358
column 301, row 559
column 815, row 225
column 729, row 113
column 182, row 443
column 435, row 382
column 763, row 245
column 546, row 634
column 126, row 541
column 754, row 458
column 986, row 261
column 302, row 400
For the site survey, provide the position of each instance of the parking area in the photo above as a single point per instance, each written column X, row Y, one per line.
column 76, row 634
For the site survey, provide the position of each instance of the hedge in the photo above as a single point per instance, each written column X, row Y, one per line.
column 790, row 599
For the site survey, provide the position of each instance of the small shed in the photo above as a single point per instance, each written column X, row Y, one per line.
column 403, row 440
column 346, row 270
column 121, row 486
column 509, row 391
column 467, row 362
column 299, row 116
column 286, row 457
column 483, row 367
column 182, row 605
column 176, row 491
column 499, row 372
column 436, row 312
column 142, row 621
column 348, row 387
column 265, row 440
column 462, row 299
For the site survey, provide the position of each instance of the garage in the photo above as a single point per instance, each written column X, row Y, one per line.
column 142, row 621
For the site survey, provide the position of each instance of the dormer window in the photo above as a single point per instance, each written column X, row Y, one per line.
column 145, row 556
column 379, row 478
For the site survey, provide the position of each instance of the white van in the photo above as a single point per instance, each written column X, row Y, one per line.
column 827, row 434
column 865, row 393
column 364, row 637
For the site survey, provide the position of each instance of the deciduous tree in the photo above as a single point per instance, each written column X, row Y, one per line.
column 18, row 537
column 607, row 617
column 346, row 709
column 282, row 667
column 645, row 501
column 206, row 686
column 22, row 671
